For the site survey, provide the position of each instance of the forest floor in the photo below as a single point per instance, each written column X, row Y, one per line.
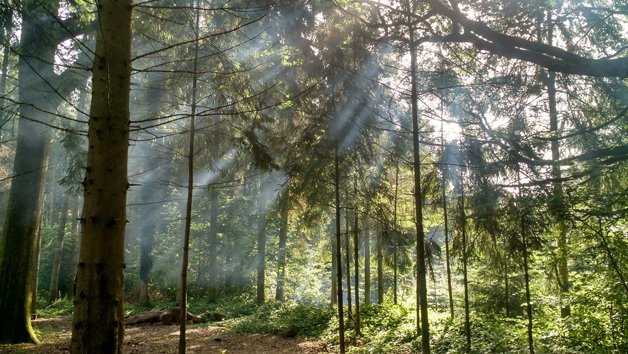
column 55, row 333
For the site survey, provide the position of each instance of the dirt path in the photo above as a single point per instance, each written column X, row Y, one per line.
column 155, row 338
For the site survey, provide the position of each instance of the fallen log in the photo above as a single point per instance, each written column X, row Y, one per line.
column 167, row 315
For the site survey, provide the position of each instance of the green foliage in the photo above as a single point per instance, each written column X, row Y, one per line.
column 246, row 315
column 63, row 306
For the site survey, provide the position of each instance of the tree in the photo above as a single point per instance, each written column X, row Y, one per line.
column 98, row 321
column 40, row 92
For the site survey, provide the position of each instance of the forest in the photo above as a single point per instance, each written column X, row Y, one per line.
column 314, row 176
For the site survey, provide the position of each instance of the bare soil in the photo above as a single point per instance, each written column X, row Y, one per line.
column 54, row 334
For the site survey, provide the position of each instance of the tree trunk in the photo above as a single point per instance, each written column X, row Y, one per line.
column 526, row 272
column 348, row 255
column 149, row 211
column 380, row 271
column 283, row 240
column 367, row 261
column 334, row 272
column 261, row 242
column 56, row 264
column 98, row 323
column 356, row 275
column 341, row 324
column 36, row 261
column 212, row 268
column 188, row 209
column 24, row 211
column 424, row 325
column 395, row 238
column 76, row 215
column 444, row 181
column 463, row 230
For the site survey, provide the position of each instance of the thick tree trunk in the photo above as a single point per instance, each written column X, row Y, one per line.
column 56, row 264
column 261, row 243
column 367, row 261
column 98, row 324
column 283, row 240
column 18, row 245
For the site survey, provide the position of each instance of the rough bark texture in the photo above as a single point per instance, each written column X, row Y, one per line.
column 23, row 218
column 98, row 323
column 56, row 264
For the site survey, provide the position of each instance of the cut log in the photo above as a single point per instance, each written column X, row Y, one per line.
column 168, row 315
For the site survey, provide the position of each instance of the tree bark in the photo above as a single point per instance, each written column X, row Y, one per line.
column 463, row 231
column 526, row 272
column 212, row 269
column 380, row 271
column 36, row 261
column 424, row 325
column 334, row 271
column 261, row 243
column 98, row 323
column 56, row 264
column 395, row 239
column 76, row 216
column 341, row 324
column 356, row 276
column 348, row 254
column 283, row 240
column 367, row 261
column 188, row 209
column 18, row 245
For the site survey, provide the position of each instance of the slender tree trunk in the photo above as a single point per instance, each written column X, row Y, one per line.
column 367, row 261
column 424, row 325
column 283, row 240
column 449, row 290
column 380, row 271
column 348, row 255
column 526, row 271
column 5, row 114
column 147, row 226
column 56, row 264
column 212, row 276
column 356, row 276
column 76, row 215
column 341, row 324
column 463, row 230
column 188, row 209
column 395, row 239
column 261, row 243
column 334, row 272
column 506, row 286
column 51, row 205
column 98, row 318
